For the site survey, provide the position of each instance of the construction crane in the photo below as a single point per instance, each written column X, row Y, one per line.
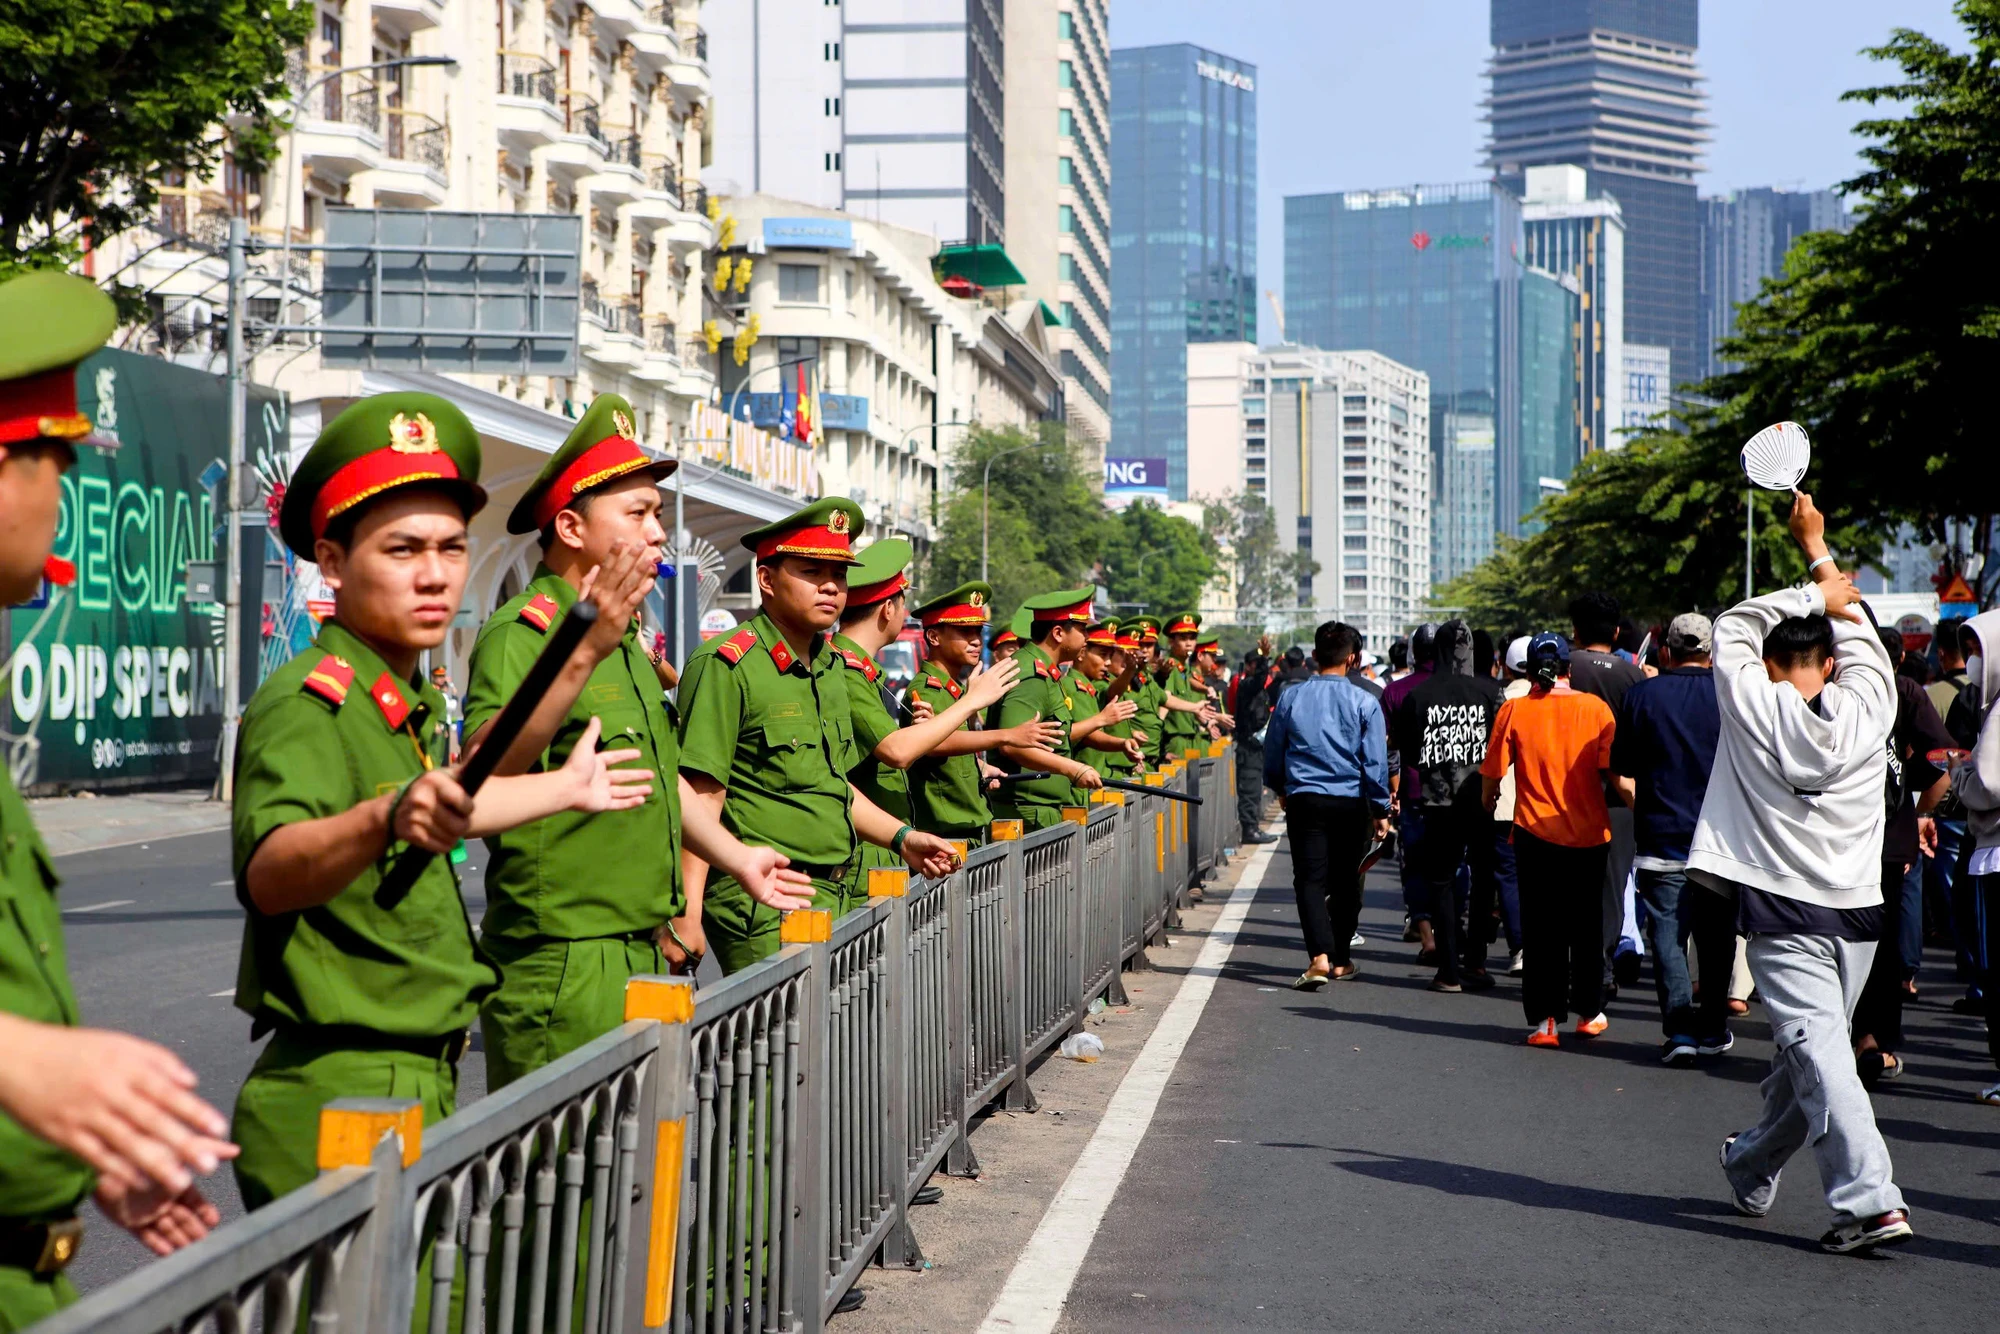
column 1277, row 310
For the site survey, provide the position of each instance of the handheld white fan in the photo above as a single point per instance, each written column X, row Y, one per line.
column 1776, row 457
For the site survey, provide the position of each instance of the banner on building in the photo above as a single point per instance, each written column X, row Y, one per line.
column 117, row 680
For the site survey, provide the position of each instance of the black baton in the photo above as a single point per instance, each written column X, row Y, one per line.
column 1117, row 784
column 501, row 735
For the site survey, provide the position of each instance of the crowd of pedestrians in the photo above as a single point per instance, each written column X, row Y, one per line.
column 1780, row 803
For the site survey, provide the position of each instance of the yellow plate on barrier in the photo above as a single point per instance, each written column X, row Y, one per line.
column 1006, row 831
column 1077, row 814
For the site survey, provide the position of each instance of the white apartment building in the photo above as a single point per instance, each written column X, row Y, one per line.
column 1339, row 444
column 900, row 366
column 1058, row 182
column 596, row 108
column 1215, row 420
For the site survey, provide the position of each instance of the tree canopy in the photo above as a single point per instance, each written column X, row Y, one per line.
column 1878, row 341
column 100, row 99
column 1154, row 561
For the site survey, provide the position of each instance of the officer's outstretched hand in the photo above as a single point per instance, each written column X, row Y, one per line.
column 1118, row 711
column 1036, row 733
column 435, row 812
column 921, row 710
column 619, row 588
column 766, row 873
column 987, row 685
column 124, row 1106
column 929, row 855
column 1133, row 753
column 163, row 1220
column 600, row 784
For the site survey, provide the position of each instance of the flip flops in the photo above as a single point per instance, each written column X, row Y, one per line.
column 1309, row 981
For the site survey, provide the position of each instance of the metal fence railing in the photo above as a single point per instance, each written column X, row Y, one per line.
column 730, row 1159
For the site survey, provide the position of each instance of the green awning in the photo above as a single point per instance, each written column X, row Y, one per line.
column 1049, row 317
column 981, row 265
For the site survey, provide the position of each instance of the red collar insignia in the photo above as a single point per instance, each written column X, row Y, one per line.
column 389, row 698
column 781, row 653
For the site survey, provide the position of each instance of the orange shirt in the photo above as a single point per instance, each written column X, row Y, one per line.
column 1556, row 742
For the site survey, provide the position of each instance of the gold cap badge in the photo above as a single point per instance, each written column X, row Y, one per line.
column 623, row 425
column 412, row 435
column 837, row 521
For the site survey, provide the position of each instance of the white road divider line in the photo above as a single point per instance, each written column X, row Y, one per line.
column 215, row 994
column 100, row 907
column 1032, row 1300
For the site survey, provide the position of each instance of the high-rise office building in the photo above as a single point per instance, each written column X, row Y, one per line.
column 888, row 109
column 1567, row 231
column 1423, row 274
column 1183, row 235
column 1545, row 434
column 1341, row 444
column 1059, row 190
column 1612, row 86
column 1744, row 237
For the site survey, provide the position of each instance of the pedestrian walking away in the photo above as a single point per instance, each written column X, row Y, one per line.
column 1597, row 668
column 1557, row 743
column 1791, row 828
column 1326, row 756
column 1976, row 785
column 1665, row 746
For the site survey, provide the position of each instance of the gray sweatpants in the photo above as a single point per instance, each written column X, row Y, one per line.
column 1813, row 1095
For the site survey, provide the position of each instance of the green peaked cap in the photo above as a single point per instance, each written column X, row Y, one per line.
column 1020, row 624
column 1067, row 604
column 823, row 530
column 875, row 575
column 606, row 433
column 968, row 604
column 48, row 322
column 1142, row 623
column 391, row 441
column 1184, row 623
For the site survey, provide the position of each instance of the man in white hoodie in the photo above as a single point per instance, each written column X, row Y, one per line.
column 1791, row 827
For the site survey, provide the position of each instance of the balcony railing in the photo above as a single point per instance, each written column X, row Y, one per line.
column 694, row 197
column 594, row 306
column 522, row 74
column 624, row 150
column 580, row 116
column 416, row 137
column 700, row 45
column 663, row 175
column 660, row 334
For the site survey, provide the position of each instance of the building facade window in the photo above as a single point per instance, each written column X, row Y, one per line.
column 798, row 282
column 1065, row 26
column 1065, row 219
column 1066, row 123
column 1065, row 74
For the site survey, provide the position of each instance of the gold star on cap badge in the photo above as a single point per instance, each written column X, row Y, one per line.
column 623, row 425
column 412, row 435
column 838, row 522
column 976, row 600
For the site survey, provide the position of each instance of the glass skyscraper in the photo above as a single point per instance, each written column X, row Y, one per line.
column 1611, row 86
column 1183, row 235
column 1422, row 274
column 1744, row 237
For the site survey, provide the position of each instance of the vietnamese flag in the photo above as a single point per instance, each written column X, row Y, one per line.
column 802, row 419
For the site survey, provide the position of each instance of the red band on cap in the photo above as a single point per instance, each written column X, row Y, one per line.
column 613, row 456
column 816, row 540
column 372, row 474
column 867, row 594
column 1005, row 637
column 39, row 405
column 1130, row 643
column 964, row 613
column 1101, row 638
column 1182, row 625
column 1079, row 612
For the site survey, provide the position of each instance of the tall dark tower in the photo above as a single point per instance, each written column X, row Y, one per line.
column 1611, row 86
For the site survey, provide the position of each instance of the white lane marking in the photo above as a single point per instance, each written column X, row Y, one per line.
column 100, row 907
column 214, row 994
column 1033, row 1297
column 218, row 884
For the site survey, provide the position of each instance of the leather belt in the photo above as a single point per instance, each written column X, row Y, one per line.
column 42, row 1247
column 347, row 1037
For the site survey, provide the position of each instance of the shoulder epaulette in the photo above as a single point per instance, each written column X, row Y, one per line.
column 732, row 649
column 330, row 679
column 1046, row 672
column 540, row 611
column 933, row 682
column 859, row 664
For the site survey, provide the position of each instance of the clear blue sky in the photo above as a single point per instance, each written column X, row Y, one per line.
column 1357, row 94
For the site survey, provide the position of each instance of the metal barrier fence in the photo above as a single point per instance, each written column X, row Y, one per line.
column 732, row 1158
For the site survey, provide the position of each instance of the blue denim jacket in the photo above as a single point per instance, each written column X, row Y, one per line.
column 1327, row 736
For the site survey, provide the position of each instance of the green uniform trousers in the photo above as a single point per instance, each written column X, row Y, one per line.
column 277, row 1123
column 555, row 996
column 1032, row 815
column 742, row 931
column 26, row 1297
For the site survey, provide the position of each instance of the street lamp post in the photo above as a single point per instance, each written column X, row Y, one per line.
column 986, row 502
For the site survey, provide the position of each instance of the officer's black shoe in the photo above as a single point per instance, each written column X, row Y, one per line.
column 927, row 1195
column 850, row 1300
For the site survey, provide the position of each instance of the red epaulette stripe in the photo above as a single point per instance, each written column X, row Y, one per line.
column 1046, row 672
column 933, row 683
column 540, row 612
column 329, row 679
column 389, row 699
column 733, row 648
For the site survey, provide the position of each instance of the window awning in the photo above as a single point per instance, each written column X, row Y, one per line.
column 981, row 265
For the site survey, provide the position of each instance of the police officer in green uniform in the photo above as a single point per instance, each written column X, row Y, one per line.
column 368, row 988
column 877, row 608
column 1095, row 699
column 82, row 1110
column 1148, row 666
column 1123, row 659
column 1188, row 712
column 1008, row 639
column 947, row 791
column 1055, row 637
column 577, row 903
column 766, row 731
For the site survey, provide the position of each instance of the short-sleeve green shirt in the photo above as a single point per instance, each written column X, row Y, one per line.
column 573, row 876
column 1147, row 694
column 36, row 1178
column 1182, row 729
column 946, row 794
column 1038, row 694
column 883, row 784
column 1082, row 694
column 408, row 968
column 774, row 730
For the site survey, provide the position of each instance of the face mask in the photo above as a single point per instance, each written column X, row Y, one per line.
column 1975, row 676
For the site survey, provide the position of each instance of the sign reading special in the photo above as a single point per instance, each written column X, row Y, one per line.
column 116, row 680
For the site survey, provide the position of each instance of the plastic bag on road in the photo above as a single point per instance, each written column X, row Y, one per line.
column 1081, row 1047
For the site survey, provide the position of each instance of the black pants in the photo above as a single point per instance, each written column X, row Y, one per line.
column 1455, row 836
column 1250, row 785
column 1329, row 836
column 1879, row 1012
column 1619, row 852
column 1562, row 928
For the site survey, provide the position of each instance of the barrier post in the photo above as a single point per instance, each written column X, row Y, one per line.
column 387, row 1135
column 959, row 1159
column 1014, row 973
column 805, row 1268
column 900, row 1246
column 665, row 1102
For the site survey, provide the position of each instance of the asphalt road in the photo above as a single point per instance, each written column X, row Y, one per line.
column 153, row 931
column 1377, row 1156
